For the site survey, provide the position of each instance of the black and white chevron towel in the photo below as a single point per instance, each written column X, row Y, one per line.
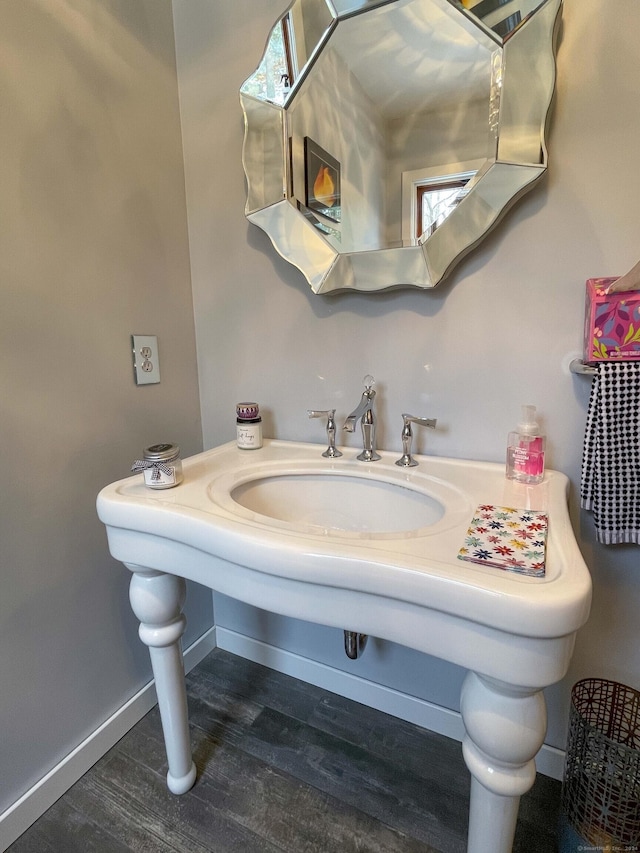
column 611, row 459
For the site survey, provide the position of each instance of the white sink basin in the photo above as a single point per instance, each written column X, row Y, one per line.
column 332, row 502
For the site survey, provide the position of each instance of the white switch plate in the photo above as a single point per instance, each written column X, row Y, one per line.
column 146, row 364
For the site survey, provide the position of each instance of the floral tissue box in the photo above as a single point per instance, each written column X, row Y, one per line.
column 612, row 323
column 506, row 538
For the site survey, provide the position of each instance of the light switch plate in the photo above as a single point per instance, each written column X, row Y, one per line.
column 146, row 364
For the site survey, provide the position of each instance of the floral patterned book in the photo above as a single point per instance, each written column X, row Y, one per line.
column 507, row 538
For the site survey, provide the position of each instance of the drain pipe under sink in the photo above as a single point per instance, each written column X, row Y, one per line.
column 354, row 644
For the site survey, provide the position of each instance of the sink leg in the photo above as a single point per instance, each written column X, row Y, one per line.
column 157, row 600
column 505, row 727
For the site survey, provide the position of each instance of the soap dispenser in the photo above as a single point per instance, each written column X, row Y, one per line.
column 525, row 450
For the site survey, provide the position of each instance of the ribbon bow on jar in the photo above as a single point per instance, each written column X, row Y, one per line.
column 144, row 465
column 161, row 466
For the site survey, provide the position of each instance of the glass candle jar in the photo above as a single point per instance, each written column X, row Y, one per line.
column 161, row 466
column 248, row 426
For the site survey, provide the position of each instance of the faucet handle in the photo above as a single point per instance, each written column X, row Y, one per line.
column 407, row 460
column 368, row 382
column 331, row 452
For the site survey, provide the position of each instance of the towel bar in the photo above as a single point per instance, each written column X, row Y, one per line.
column 578, row 366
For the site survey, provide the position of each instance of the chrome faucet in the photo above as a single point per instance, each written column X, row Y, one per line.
column 368, row 421
column 407, row 460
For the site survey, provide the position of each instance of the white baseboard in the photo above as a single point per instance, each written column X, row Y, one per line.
column 34, row 803
column 549, row 761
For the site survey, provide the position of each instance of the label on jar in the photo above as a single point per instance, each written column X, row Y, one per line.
column 157, row 479
column 249, row 436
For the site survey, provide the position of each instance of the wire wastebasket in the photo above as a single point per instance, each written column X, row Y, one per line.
column 601, row 785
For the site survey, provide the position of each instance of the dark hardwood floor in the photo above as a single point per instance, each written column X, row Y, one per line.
column 282, row 766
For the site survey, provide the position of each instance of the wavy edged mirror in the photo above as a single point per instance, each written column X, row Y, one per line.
column 384, row 140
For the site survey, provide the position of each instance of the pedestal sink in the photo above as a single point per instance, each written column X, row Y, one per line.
column 372, row 548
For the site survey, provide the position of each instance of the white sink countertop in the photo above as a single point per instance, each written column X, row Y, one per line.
column 418, row 565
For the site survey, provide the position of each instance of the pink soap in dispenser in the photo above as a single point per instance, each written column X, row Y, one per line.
column 525, row 450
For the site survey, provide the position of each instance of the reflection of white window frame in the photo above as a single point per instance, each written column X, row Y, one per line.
column 290, row 47
column 414, row 181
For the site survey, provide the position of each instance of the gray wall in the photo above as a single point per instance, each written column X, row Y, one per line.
column 93, row 247
column 498, row 334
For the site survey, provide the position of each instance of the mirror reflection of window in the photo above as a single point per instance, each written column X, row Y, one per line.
column 435, row 201
column 502, row 16
column 430, row 196
column 272, row 81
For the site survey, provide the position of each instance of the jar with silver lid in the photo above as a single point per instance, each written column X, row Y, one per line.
column 161, row 466
column 248, row 426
